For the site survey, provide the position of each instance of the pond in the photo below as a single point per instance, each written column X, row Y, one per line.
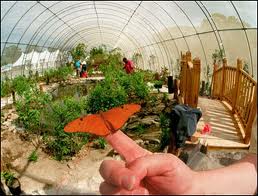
column 74, row 90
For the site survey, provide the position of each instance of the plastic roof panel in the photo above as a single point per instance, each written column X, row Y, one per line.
column 159, row 30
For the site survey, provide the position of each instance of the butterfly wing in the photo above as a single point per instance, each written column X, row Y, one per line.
column 119, row 115
column 92, row 123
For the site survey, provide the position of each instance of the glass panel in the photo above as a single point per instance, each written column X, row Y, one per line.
column 248, row 12
column 12, row 18
column 5, row 6
column 235, row 46
column 223, row 14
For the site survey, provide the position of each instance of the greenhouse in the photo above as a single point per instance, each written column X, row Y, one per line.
column 128, row 97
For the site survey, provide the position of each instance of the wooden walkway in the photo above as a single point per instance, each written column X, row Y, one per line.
column 226, row 132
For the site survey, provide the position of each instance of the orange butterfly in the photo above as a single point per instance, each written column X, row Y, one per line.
column 103, row 123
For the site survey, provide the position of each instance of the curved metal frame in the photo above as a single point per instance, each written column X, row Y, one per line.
column 64, row 41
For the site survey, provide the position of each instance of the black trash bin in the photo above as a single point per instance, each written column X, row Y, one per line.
column 170, row 84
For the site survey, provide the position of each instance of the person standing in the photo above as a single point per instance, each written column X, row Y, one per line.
column 128, row 65
column 78, row 67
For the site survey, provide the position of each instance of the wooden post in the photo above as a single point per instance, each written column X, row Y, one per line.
column 196, row 81
column 214, row 81
column 223, row 79
column 237, row 85
column 202, row 88
column 182, row 86
column 248, row 129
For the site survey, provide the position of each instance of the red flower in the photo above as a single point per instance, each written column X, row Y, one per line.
column 206, row 129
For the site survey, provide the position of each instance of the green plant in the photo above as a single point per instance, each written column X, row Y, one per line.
column 54, row 117
column 164, row 74
column 140, row 129
column 218, row 56
column 6, row 87
column 165, row 130
column 29, row 108
column 100, row 143
column 8, row 176
column 246, row 67
column 165, row 98
column 158, row 84
column 79, row 52
column 33, row 156
column 106, row 95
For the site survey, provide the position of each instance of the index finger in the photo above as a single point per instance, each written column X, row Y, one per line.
column 125, row 146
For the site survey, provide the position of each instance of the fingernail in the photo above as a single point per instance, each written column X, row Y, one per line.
column 128, row 182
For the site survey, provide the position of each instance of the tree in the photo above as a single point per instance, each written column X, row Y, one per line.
column 31, row 48
column 79, row 52
column 10, row 55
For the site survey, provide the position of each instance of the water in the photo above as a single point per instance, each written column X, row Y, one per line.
column 75, row 90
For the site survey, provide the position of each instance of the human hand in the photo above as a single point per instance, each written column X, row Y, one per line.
column 144, row 172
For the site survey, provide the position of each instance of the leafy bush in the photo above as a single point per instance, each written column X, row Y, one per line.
column 29, row 108
column 165, row 130
column 33, row 156
column 100, row 143
column 56, row 75
column 78, row 52
column 6, row 87
column 55, row 116
column 20, row 84
column 8, row 176
column 106, row 95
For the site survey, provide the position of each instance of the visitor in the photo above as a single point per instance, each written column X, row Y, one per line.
column 163, row 173
column 128, row 65
column 84, row 73
column 78, row 67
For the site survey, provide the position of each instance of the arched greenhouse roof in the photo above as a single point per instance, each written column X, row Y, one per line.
column 157, row 30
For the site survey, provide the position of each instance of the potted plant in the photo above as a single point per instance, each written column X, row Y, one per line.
column 158, row 84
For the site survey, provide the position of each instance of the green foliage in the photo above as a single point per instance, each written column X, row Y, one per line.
column 8, row 176
column 246, row 67
column 33, row 156
column 79, row 52
column 20, row 84
column 164, row 74
column 165, row 130
column 106, row 95
column 29, row 108
column 6, row 87
column 165, row 98
column 218, row 56
column 100, row 143
column 54, row 117
column 158, row 84
column 140, row 129
column 10, row 55
column 57, row 75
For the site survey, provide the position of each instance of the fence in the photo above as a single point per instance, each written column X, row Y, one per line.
column 239, row 89
column 189, row 79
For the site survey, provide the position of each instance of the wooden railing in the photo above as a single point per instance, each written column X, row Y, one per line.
column 189, row 79
column 239, row 89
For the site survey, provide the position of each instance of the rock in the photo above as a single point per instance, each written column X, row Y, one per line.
column 139, row 142
column 14, row 116
column 70, row 165
column 7, row 123
column 149, row 120
column 154, row 141
column 11, row 128
column 159, row 108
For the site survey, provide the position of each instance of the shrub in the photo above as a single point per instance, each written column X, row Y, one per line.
column 100, row 143
column 29, row 108
column 33, row 156
column 21, row 84
column 6, row 87
column 55, row 116
column 165, row 131
column 106, row 95
column 8, row 176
